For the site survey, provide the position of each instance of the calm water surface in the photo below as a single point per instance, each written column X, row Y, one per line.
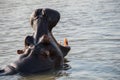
column 91, row 26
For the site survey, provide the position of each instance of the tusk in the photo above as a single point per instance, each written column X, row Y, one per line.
column 65, row 42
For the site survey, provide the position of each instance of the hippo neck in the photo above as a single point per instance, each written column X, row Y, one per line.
column 41, row 29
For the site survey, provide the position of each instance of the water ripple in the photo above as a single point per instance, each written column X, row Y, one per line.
column 91, row 26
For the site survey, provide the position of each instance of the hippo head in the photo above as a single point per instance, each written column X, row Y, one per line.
column 37, row 57
column 40, row 50
column 52, row 17
column 43, row 20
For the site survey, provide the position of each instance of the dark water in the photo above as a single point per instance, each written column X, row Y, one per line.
column 91, row 26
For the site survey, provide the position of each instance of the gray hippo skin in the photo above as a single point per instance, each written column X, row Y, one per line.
column 42, row 52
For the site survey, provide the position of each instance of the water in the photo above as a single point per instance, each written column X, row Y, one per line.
column 91, row 26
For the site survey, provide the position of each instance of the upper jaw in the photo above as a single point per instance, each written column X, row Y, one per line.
column 52, row 16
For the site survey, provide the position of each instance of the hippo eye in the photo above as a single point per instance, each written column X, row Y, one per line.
column 45, row 54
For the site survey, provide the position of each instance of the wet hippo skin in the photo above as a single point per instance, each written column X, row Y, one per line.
column 42, row 52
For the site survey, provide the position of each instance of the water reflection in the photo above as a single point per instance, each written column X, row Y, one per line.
column 51, row 75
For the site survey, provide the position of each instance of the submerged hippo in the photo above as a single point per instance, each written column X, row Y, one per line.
column 42, row 52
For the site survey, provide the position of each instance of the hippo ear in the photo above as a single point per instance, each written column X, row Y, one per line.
column 53, row 17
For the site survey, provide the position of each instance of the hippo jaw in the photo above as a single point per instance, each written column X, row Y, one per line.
column 42, row 21
column 40, row 28
column 37, row 60
column 51, row 15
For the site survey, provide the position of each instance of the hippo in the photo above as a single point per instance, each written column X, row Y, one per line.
column 42, row 52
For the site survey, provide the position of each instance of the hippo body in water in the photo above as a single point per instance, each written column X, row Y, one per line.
column 42, row 52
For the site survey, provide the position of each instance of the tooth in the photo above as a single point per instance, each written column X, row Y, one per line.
column 65, row 42
column 59, row 42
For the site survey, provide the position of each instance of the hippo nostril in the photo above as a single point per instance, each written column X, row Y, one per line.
column 43, row 12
